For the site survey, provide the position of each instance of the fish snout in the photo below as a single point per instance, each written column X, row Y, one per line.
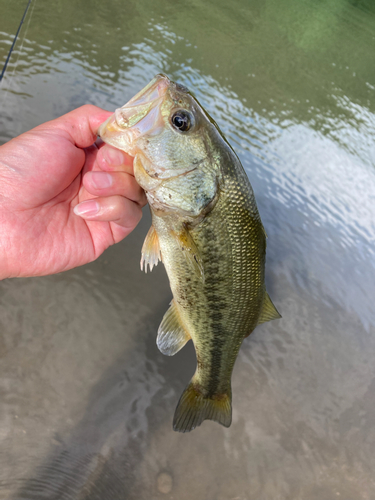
column 139, row 116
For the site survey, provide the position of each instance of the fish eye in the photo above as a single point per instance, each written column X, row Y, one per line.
column 182, row 120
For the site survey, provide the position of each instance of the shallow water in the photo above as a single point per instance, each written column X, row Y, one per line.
column 86, row 399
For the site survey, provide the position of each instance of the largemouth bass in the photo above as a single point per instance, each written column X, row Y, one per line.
column 207, row 231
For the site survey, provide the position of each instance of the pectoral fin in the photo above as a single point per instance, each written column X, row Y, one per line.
column 190, row 251
column 150, row 250
column 269, row 311
column 172, row 336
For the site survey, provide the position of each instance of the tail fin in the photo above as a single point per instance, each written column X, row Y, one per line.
column 194, row 407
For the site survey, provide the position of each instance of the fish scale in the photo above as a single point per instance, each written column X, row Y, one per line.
column 231, row 263
column 207, row 231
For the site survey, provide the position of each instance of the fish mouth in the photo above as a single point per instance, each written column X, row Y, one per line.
column 137, row 117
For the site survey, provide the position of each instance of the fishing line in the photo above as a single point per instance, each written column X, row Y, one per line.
column 19, row 52
column 14, row 41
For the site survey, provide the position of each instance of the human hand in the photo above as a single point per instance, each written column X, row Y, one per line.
column 47, row 177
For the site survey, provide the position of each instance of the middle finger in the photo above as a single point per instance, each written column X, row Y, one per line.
column 111, row 159
column 114, row 183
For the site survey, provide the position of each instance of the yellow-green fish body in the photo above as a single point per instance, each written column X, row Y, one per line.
column 207, row 231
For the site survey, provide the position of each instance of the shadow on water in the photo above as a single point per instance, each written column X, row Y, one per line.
column 104, row 453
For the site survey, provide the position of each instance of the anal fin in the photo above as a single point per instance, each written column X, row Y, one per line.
column 151, row 253
column 172, row 336
column 269, row 311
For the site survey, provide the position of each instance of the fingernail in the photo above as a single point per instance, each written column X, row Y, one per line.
column 87, row 208
column 113, row 156
column 101, row 180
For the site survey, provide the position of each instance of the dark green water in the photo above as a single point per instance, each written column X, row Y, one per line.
column 87, row 400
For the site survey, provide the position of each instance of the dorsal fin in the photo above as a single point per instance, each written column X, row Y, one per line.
column 151, row 253
column 172, row 336
column 269, row 311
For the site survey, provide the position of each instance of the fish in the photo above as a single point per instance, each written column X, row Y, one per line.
column 207, row 231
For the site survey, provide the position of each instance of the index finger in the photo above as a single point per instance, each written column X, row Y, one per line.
column 111, row 159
